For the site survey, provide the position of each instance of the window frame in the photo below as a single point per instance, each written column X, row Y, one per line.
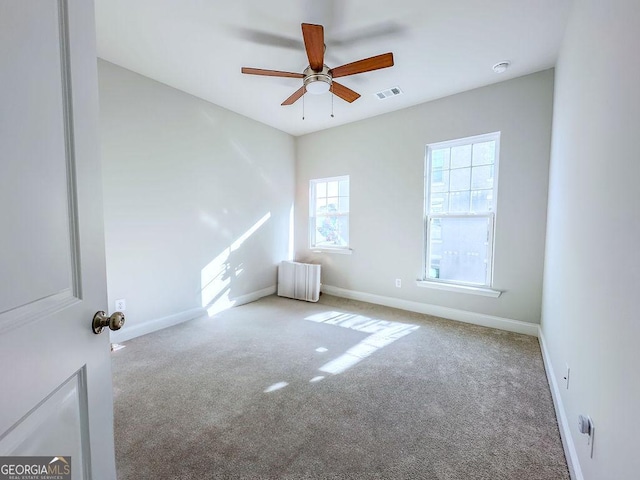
column 491, row 214
column 312, row 215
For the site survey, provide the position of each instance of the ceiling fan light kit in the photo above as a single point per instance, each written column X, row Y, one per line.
column 317, row 83
column 317, row 78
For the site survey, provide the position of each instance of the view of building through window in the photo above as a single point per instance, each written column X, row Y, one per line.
column 460, row 197
column 329, row 212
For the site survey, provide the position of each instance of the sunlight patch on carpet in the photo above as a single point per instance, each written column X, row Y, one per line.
column 276, row 386
column 382, row 333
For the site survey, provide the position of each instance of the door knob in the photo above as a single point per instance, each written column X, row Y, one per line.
column 100, row 320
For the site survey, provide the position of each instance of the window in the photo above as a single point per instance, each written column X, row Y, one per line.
column 329, row 213
column 460, row 208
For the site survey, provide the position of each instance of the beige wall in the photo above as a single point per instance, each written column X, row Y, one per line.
column 592, row 271
column 385, row 158
column 184, row 181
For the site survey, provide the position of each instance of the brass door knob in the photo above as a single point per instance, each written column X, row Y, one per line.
column 100, row 320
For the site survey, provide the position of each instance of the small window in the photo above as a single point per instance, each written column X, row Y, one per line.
column 460, row 209
column 329, row 213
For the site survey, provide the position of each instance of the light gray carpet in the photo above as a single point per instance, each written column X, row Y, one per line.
column 412, row 397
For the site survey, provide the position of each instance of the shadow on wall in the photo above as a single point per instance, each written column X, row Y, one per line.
column 183, row 179
column 217, row 277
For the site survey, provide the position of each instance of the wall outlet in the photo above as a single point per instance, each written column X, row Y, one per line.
column 398, row 283
column 585, row 425
column 121, row 305
column 567, row 373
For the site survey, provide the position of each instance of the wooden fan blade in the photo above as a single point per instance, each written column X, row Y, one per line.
column 365, row 65
column 313, row 36
column 343, row 92
column 270, row 73
column 296, row 95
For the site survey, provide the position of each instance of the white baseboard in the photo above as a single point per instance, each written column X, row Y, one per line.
column 567, row 440
column 253, row 296
column 133, row 331
column 171, row 320
column 437, row 311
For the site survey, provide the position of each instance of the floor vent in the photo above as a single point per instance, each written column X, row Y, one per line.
column 391, row 92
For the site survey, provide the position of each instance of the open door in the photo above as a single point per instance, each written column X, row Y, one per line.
column 55, row 373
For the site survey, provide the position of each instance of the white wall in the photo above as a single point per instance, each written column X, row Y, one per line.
column 184, row 181
column 592, row 270
column 385, row 158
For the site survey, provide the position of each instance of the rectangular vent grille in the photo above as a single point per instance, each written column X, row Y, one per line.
column 391, row 92
column 299, row 280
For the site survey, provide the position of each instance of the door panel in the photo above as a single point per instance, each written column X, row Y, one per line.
column 58, row 423
column 37, row 167
column 56, row 374
column 41, row 242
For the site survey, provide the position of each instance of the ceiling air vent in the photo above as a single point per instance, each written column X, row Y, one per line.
column 391, row 92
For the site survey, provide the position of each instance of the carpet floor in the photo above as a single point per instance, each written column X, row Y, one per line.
column 338, row 389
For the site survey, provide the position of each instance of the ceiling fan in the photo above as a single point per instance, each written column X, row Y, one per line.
column 317, row 78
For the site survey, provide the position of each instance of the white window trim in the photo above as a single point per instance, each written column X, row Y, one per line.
column 487, row 288
column 346, row 249
column 340, row 250
column 456, row 287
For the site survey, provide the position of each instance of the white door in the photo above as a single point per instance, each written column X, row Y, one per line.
column 55, row 373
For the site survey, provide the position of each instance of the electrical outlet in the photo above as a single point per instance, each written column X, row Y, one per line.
column 585, row 426
column 121, row 305
column 398, row 283
column 567, row 373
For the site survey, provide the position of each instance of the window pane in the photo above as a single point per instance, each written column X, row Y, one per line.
column 482, row 201
column 436, row 229
column 435, row 248
column 332, row 205
column 461, row 253
column 321, row 206
column 326, row 230
column 344, row 188
column 482, row 177
column 459, row 202
column 484, row 153
column 434, row 260
column 459, row 186
column 329, row 213
column 332, row 231
column 460, row 179
column 344, row 204
column 440, row 159
column 342, row 239
column 461, row 156
column 440, row 181
column 439, row 203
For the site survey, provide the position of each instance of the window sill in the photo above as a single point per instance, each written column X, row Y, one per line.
column 342, row 251
column 483, row 291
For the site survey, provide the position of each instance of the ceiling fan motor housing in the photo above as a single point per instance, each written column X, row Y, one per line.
column 317, row 82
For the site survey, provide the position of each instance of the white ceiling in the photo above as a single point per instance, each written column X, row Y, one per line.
column 440, row 47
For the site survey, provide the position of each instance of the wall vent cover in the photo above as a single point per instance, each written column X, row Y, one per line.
column 390, row 92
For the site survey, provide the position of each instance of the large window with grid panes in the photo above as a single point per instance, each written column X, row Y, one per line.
column 461, row 178
column 329, row 213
